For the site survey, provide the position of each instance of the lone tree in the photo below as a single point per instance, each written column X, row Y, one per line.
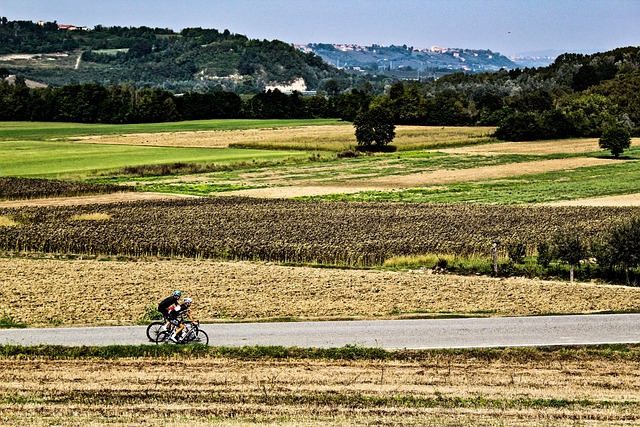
column 374, row 126
column 615, row 139
column 568, row 247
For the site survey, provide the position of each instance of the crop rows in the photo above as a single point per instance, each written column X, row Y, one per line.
column 27, row 188
column 356, row 234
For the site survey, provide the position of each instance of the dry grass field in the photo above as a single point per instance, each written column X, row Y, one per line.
column 326, row 137
column 46, row 292
column 512, row 387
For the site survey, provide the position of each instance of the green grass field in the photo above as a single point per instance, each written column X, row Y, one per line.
column 42, row 150
column 586, row 182
column 60, row 159
column 45, row 150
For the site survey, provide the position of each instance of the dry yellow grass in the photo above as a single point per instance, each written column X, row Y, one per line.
column 327, row 137
column 5, row 221
column 97, row 216
column 437, row 389
column 94, row 292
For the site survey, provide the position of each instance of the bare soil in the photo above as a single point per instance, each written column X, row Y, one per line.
column 49, row 291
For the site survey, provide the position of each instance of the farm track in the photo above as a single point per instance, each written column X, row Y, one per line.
column 91, row 200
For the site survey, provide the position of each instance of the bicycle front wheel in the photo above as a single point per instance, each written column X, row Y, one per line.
column 162, row 338
column 201, row 338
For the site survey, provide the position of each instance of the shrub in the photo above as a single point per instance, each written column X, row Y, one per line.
column 544, row 254
column 516, row 251
column 151, row 313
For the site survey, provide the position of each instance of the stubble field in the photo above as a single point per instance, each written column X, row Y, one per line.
column 84, row 292
column 485, row 388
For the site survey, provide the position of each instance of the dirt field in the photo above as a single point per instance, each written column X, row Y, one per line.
column 440, row 389
column 46, row 292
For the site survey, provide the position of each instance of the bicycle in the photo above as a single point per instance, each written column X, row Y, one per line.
column 191, row 334
column 158, row 326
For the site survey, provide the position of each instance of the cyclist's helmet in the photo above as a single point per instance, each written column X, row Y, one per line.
column 188, row 300
column 177, row 293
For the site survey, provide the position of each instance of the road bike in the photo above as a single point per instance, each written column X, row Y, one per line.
column 158, row 326
column 191, row 334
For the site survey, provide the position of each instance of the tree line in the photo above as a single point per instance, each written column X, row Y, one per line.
column 576, row 96
column 119, row 104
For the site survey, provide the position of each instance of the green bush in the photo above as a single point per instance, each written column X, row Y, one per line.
column 7, row 321
column 151, row 313
column 517, row 251
column 544, row 254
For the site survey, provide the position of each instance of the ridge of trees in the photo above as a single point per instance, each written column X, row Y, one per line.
column 194, row 59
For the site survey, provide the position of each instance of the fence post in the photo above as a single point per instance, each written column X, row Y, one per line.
column 496, row 242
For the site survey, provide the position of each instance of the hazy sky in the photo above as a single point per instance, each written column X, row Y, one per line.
column 505, row 26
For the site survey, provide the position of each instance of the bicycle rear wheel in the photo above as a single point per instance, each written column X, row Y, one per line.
column 153, row 330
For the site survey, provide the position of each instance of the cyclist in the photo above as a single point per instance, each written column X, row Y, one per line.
column 175, row 318
column 166, row 304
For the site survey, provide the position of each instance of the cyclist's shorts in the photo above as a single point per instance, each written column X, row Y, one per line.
column 174, row 322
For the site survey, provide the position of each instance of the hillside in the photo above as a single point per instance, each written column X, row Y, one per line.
column 193, row 59
column 197, row 59
column 385, row 59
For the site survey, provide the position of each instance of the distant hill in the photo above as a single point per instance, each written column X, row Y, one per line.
column 193, row 59
column 197, row 59
column 376, row 58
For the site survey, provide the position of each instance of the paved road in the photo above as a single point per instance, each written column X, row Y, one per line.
column 389, row 334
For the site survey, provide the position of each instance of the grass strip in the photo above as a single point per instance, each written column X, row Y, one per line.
column 354, row 401
column 629, row 352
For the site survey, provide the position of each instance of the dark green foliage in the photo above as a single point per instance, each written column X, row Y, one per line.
column 161, row 57
column 615, row 139
column 568, row 246
column 347, row 106
column 624, row 244
column 7, row 321
column 544, row 253
column 519, row 127
column 517, row 251
column 578, row 95
column 274, row 104
column 374, row 127
column 151, row 313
